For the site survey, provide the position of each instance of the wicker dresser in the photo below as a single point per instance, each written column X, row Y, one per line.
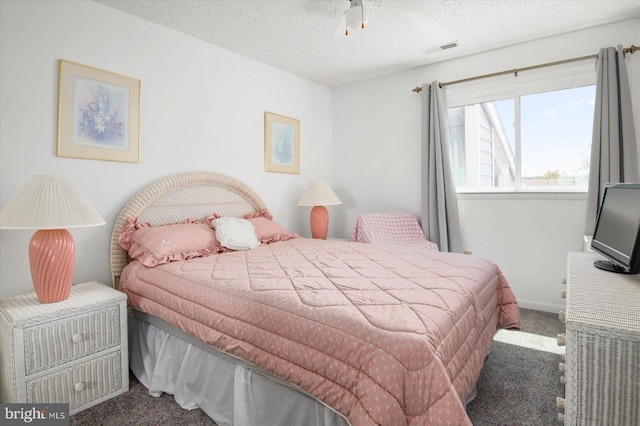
column 602, row 345
column 74, row 351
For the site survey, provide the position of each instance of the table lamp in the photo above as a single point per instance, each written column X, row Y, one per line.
column 50, row 204
column 319, row 194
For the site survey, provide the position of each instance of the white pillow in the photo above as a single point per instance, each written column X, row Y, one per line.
column 235, row 233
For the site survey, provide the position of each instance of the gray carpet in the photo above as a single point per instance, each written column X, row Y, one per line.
column 518, row 385
column 520, row 380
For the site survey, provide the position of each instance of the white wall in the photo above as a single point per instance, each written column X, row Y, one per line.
column 202, row 109
column 376, row 137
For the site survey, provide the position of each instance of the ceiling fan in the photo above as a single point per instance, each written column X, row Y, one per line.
column 357, row 16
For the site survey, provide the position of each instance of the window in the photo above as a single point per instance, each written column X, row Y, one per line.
column 556, row 130
column 529, row 139
column 482, row 151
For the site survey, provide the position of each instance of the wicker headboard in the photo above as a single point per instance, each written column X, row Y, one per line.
column 178, row 197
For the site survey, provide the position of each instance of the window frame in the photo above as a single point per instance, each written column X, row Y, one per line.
column 547, row 79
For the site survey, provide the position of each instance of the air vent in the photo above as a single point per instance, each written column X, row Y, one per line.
column 450, row 45
column 440, row 48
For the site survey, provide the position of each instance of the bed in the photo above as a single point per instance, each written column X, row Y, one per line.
column 302, row 331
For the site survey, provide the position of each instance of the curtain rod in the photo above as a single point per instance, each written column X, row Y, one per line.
column 515, row 71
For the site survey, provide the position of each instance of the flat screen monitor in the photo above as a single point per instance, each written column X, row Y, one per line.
column 617, row 233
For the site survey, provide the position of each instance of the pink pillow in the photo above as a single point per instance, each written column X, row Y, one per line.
column 262, row 212
column 269, row 231
column 155, row 245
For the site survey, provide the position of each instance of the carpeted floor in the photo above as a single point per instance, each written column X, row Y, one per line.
column 518, row 385
column 520, row 380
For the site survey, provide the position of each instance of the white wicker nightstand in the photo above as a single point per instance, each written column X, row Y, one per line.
column 603, row 345
column 74, row 351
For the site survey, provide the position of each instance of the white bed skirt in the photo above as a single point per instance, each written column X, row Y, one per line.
column 229, row 390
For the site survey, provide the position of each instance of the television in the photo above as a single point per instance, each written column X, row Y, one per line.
column 617, row 233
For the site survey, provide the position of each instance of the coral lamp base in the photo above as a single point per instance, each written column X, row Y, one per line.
column 52, row 257
column 319, row 222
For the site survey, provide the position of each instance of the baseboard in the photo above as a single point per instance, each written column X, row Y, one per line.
column 538, row 306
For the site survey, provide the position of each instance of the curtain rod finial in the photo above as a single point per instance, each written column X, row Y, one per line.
column 417, row 89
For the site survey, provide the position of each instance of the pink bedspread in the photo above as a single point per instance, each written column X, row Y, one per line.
column 387, row 336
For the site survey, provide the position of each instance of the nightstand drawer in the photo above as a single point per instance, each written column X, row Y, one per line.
column 79, row 385
column 60, row 341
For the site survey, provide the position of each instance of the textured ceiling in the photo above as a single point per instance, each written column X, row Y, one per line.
column 303, row 36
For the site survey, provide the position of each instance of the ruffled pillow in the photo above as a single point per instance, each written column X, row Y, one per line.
column 235, row 233
column 260, row 213
column 268, row 231
column 155, row 245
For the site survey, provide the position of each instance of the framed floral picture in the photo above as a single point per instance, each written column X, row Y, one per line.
column 281, row 143
column 98, row 114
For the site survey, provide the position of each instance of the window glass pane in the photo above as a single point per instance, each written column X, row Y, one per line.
column 556, row 130
column 555, row 141
column 483, row 144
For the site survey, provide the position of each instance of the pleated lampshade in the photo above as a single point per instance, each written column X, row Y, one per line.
column 49, row 202
column 319, row 193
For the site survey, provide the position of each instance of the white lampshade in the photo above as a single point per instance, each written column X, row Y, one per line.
column 319, row 193
column 49, row 202
column 358, row 15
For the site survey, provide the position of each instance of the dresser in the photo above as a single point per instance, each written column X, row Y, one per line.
column 74, row 351
column 602, row 345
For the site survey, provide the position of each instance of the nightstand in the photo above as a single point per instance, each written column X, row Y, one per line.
column 74, row 351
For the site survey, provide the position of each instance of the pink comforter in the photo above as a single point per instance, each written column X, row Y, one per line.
column 387, row 336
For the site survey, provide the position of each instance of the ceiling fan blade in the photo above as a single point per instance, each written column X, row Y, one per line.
column 414, row 5
column 339, row 31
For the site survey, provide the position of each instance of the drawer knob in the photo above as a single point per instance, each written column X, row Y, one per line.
column 562, row 315
column 563, row 380
column 563, row 294
column 562, row 339
column 562, row 367
column 560, row 403
column 77, row 338
column 561, row 418
column 79, row 387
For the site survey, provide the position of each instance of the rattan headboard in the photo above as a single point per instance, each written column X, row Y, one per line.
column 182, row 196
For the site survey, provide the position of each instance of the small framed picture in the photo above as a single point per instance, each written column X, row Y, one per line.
column 281, row 143
column 98, row 114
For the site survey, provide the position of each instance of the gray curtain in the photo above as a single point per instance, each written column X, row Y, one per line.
column 439, row 204
column 614, row 147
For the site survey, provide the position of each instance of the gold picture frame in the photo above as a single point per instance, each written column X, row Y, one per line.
column 281, row 143
column 98, row 114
